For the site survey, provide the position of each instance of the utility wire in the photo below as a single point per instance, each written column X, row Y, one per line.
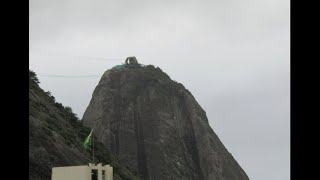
column 98, row 58
column 81, row 57
column 67, row 76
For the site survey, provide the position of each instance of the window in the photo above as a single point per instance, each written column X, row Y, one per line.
column 103, row 175
column 94, row 174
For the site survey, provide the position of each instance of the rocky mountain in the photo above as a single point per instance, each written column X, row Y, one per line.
column 56, row 137
column 156, row 127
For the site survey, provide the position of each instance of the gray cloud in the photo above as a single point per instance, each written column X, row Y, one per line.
column 232, row 55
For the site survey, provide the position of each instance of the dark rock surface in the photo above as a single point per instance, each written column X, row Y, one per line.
column 156, row 127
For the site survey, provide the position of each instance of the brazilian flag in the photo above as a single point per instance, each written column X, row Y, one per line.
column 87, row 141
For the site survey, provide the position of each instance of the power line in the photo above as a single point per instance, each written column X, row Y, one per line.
column 98, row 58
column 67, row 76
column 80, row 57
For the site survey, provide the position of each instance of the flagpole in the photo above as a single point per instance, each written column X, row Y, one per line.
column 93, row 148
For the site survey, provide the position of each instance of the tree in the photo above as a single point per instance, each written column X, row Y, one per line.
column 50, row 95
column 33, row 76
column 68, row 109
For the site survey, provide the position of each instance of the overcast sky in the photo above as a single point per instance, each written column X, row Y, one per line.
column 233, row 55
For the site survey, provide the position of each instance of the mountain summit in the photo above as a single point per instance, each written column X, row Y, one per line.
column 156, row 127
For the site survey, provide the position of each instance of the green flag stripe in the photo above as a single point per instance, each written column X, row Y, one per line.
column 87, row 140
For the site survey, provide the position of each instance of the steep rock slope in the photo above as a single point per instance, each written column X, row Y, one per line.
column 156, row 127
column 56, row 136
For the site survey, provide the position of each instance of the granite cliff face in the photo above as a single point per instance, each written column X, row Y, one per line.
column 156, row 127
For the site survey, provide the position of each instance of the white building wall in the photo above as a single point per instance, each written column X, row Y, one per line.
column 81, row 172
column 71, row 173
